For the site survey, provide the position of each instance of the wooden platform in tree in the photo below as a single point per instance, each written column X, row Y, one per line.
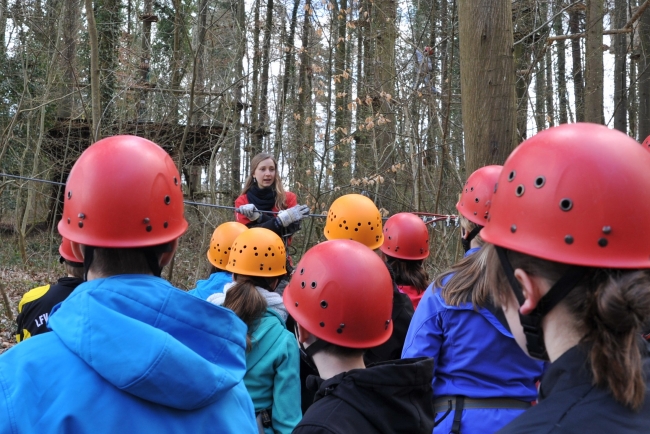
column 68, row 138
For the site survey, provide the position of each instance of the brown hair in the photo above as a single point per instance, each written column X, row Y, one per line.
column 74, row 269
column 280, row 195
column 409, row 272
column 245, row 300
column 610, row 308
column 468, row 281
column 112, row 262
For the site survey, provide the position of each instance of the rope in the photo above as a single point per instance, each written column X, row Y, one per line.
column 427, row 218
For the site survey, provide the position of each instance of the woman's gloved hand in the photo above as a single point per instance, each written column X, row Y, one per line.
column 293, row 215
column 249, row 211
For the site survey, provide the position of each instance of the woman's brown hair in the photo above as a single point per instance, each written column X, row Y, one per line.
column 610, row 307
column 408, row 272
column 244, row 299
column 467, row 278
column 280, row 194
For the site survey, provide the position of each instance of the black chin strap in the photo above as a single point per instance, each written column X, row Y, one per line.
column 89, row 253
column 151, row 255
column 307, row 354
column 532, row 323
column 474, row 233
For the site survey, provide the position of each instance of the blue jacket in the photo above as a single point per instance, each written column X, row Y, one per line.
column 129, row 353
column 213, row 284
column 475, row 356
column 273, row 376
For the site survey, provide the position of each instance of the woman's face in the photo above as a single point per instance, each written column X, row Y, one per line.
column 265, row 173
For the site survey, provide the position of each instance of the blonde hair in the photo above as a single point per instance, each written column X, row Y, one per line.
column 468, row 281
column 280, row 195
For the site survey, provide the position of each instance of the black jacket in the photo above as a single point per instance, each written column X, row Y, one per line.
column 401, row 316
column 569, row 403
column 391, row 397
column 36, row 305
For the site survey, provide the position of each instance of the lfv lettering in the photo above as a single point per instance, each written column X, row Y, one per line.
column 41, row 320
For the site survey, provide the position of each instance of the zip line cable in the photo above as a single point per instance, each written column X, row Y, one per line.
column 427, row 218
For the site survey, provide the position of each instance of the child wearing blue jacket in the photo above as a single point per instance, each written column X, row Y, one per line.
column 127, row 351
column 272, row 378
column 481, row 380
column 218, row 254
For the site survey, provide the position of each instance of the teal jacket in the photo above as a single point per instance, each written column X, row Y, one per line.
column 273, row 373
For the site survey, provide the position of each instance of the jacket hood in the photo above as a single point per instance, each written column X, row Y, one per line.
column 399, row 391
column 152, row 340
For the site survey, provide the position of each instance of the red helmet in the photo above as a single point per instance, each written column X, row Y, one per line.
column 65, row 250
column 575, row 194
column 124, row 191
column 342, row 293
column 475, row 199
column 405, row 237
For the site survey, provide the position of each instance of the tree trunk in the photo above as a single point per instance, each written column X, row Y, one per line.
column 264, row 79
column 176, row 59
column 620, row 67
column 575, row 19
column 95, row 99
column 487, row 81
column 594, row 62
column 71, row 14
column 561, row 66
column 107, row 14
column 644, row 77
column 235, row 154
column 145, row 58
column 342, row 120
column 549, row 91
column 255, row 99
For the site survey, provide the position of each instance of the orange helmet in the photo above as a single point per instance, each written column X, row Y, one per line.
column 123, row 192
column 405, row 237
column 221, row 242
column 354, row 217
column 342, row 293
column 257, row 252
column 476, row 197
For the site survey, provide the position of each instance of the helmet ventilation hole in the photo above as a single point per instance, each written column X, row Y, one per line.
column 313, row 285
column 602, row 242
column 302, row 284
column 167, row 200
column 568, row 239
column 476, row 200
column 566, row 204
column 323, row 304
column 540, row 181
column 513, row 228
column 512, row 175
column 607, row 230
column 520, row 190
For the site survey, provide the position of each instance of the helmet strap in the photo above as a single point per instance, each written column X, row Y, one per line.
column 468, row 240
column 89, row 253
column 532, row 323
column 307, row 353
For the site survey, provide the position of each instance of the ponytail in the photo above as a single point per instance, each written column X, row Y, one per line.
column 615, row 315
column 248, row 304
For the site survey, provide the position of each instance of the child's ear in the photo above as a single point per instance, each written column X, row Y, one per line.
column 533, row 289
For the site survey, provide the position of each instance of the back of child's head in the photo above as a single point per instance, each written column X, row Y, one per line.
column 354, row 217
column 342, row 293
column 123, row 194
column 405, row 246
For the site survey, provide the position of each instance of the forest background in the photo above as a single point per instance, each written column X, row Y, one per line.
column 396, row 99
